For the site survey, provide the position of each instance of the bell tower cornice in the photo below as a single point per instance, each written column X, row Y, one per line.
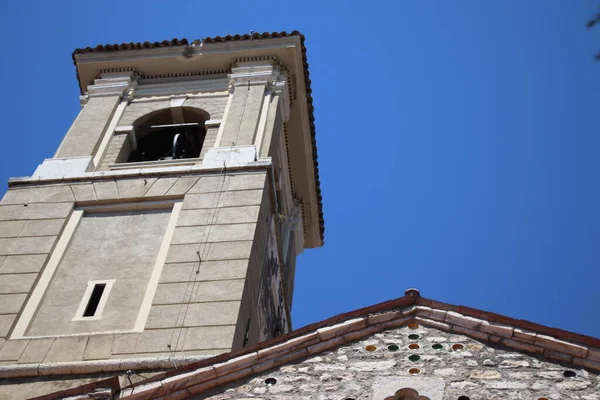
column 112, row 84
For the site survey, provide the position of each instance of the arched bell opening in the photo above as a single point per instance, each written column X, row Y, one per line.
column 169, row 134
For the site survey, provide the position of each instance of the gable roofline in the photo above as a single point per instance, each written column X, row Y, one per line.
column 556, row 345
column 231, row 38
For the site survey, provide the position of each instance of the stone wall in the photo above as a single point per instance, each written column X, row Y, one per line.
column 437, row 364
column 85, row 134
column 196, row 305
column 119, row 146
column 214, row 105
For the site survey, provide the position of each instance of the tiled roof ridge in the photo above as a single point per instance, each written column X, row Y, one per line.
column 229, row 38
column 210, row 373
column 348, row 327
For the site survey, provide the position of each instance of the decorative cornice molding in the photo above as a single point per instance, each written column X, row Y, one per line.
column 113, row 84
column 160, row 168
column 181, row 86
column 186, row 51
column 254, row 73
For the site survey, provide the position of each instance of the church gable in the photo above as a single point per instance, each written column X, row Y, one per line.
column 428, row 348
column 436, row 364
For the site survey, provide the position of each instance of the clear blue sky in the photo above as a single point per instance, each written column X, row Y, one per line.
column 458, row 140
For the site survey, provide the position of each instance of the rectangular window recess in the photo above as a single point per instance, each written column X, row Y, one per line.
column 94, row 300
column 92, row 305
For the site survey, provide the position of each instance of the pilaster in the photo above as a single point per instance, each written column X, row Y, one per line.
column 99, row 105
column 250, row 83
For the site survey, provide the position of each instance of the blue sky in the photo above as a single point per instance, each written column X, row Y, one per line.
column 458, row 141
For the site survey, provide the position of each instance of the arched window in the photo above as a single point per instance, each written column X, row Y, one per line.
column 169, row 134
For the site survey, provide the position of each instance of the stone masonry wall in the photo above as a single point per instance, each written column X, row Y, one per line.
column 86, row 132
column 437, row 364
column 213, row 105
column 195, row 307
column 119, row 146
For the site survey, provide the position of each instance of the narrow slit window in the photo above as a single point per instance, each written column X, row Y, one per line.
column 94, row 300
column 92, row 306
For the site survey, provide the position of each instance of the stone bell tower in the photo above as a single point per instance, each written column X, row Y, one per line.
column 168, row 222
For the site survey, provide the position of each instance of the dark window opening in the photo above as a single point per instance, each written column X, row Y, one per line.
column 92, row 306
column 168, row 134
column 169, row 142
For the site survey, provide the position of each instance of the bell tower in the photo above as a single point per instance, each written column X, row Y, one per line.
column 168, row 222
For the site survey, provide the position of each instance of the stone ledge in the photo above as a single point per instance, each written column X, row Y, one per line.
column 88, row 367
column 261, row 164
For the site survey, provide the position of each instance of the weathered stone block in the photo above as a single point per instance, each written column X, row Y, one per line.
column 124, row 343
column 247, row 181
column 47, row 211
column 12, row 349
column 224, row 199
column 185, row 253
column 26, row 245
column 156, row 340
column 241, row 198
column 11, row 229
column 44, row 194
column 16, row 283
column 133, row 188
column 23, row 263
column 229, row 250
column 190, row 234
column 106, row 190
column 237, row 215
column 98, row 347
column 36, row 351
column 67, row 349
column 210, row 184
column 11, row 303
column 166, row 316
column 11, row 212
column 209, row 270
column 6, row 323
column 42, row 227
column 161, row 187
column 182, row 185
column 84, row 192
column 86, row 132
column 232, row 232
column 172, row 293
column 209, row 337
column 217, row 313
column 198, row 217
column 204, row 200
